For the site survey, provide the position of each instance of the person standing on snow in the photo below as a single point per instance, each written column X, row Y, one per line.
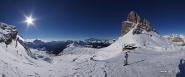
column 126, row 59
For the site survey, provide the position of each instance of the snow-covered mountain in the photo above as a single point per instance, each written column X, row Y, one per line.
column 56, row 47
column 140, row 33
column 154, row 56
column 14, row 54
column 16, row 59
column 94, row 40
column 176, row 38
column 12, row 41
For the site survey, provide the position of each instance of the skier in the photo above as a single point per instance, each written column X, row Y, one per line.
column 126, row 59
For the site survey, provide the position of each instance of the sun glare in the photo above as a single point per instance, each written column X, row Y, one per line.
column 29, row 20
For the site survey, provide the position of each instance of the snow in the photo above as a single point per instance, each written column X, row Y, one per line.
column 172, row 38
column 85, row 62
column 148, row 40
column 142, row 63
column 154, row 57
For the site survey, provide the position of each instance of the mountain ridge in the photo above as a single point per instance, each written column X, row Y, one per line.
column 134, row 18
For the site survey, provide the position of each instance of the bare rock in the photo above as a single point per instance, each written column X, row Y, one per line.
column 133, row 17
column 133, row 20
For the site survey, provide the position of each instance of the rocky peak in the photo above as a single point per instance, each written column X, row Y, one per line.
column 8, row 33
column 147, row 26
column 133, row 17
column 134, row 20
column 146, row 23
column 38, row 42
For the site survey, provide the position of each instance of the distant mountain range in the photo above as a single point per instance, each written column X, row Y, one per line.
column 178, row 39
column 56, row 47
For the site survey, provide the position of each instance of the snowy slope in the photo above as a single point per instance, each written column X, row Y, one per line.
column 158, row 58
column 86, row 62
column 83, row 62
column 16, row 60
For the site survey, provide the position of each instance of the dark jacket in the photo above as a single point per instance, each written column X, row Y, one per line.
column 126, row 55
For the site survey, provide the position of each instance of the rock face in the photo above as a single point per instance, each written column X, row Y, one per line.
column 8, row 33
column 134, row 20
column 133, row 17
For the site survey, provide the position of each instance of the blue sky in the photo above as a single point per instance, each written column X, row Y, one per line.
column 80, row 19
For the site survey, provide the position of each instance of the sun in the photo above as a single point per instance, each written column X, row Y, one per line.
column 29, row 20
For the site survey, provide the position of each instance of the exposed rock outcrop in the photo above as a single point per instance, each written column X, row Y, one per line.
column 133, row 17
column 134, row 20
column 8, row 33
